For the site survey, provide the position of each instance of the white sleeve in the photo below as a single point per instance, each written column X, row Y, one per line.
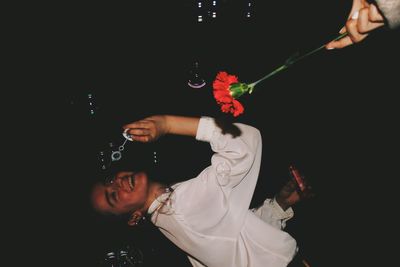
column 234, row 156
column 273, row 214
column 218, row 199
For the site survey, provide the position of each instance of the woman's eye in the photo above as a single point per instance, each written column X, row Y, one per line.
column 109, row 180
column 114, row 196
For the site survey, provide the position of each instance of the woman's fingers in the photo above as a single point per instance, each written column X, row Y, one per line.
column 343, row 42
column 139, row 132
column 364, row 22
column 148, row 129
column 374, row 14
column 357, row 5
column 142, row 138
column 138, row 124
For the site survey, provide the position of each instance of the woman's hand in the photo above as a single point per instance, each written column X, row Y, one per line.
column 151, row 128
column 290, row 193
column 148, row 129
column 363, row 19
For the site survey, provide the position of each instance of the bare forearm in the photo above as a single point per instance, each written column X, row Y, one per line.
column 181, row 125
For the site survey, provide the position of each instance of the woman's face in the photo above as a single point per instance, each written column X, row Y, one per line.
column 126, row 193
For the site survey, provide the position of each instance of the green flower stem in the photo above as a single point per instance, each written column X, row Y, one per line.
column 288, row 64
column 252, row 85
column 319, row 48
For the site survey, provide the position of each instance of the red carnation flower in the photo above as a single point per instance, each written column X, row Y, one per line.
column 223, row 95
column 227, row 88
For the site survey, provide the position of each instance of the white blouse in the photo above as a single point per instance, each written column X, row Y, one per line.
column 208, row 216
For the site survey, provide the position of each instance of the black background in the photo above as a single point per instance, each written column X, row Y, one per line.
column 333, row 114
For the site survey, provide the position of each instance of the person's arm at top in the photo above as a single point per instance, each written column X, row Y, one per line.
column 151, row 128
column 365, row 17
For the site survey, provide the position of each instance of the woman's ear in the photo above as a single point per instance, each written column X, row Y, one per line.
column 135, row 218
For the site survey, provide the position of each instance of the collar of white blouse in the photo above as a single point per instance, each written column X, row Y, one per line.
column 161, row 200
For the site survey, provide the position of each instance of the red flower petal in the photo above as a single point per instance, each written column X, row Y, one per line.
column 223, row 80
column 237, row 108
column 234, row 107
column 225, row 77
column 218, row 85
column 232, row 79
column 222, row 96
column 226, row 107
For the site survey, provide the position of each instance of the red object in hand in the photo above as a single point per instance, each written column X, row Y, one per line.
column 299, row 180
